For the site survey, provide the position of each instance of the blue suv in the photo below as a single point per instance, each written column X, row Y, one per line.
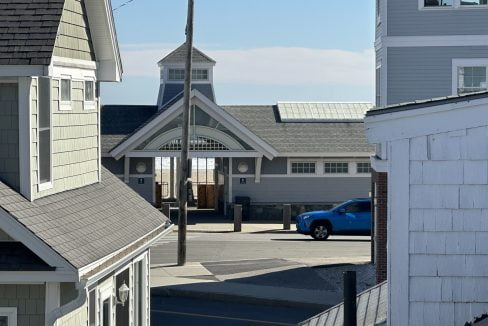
column 351, row 217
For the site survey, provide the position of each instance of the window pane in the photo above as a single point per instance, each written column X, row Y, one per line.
column 472, row 79
column 91, row 308
column 336, row 167
column 303, row 167
column 3, row 321
column 45, row 155
column 106, row 312
column 473, row 2
column 138, row 292
column 438, row 3
column 44, row 102
column 363, row 167
column 89, row 90
column 65, row 90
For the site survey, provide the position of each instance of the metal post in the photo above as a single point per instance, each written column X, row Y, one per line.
column 350, row 318
column 286, row 217
column 237, row 218
column 185, row 141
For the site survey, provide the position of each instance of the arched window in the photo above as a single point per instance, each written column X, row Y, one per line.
column 199, row 143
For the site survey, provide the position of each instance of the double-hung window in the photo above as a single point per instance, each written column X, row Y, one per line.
column 336, row 167
column 44, row 141
column 472, row 79
column 303, row 167
column 8, row 316
column 89, row 90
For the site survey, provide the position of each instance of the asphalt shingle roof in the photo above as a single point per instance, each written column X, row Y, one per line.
column 28, row 31
column 371, row 310
column 179, row 56
column 301, row 137
column 86, row 224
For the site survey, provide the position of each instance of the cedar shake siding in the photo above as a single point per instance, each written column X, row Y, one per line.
column 74, row 39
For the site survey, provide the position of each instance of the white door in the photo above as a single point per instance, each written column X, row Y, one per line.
column 105, row 307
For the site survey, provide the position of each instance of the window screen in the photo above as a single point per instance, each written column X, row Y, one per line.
column 44, row 141
column 89, row 90
column 336, row 167
column 179, row 74
column 303, row 167
column 65, row 90
column 474, row 2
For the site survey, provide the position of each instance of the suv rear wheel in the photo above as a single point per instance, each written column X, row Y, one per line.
column 320, row 231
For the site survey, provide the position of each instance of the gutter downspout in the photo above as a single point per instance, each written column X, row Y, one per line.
column 54, row 315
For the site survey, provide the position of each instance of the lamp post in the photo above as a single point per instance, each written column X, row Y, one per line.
column 184, row 175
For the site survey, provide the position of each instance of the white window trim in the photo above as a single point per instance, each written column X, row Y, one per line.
column 455, row 6
column 11, row 314
column 65, row 105
column 458, row 63
column 90, row 104
column 290, row 162
column 144, row 258
column 46, row 185
column 320, row 170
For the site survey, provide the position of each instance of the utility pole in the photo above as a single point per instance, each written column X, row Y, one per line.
column 185, row 142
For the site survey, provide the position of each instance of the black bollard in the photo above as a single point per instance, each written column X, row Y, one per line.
column 350, row 318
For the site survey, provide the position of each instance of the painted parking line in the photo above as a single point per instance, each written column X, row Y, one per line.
column 221, row 317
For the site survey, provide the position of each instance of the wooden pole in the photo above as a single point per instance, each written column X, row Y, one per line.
column 185, row 143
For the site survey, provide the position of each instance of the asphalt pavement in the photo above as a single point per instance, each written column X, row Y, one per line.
column 184, row 311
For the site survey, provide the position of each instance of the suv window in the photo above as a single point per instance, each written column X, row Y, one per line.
column 359, row 207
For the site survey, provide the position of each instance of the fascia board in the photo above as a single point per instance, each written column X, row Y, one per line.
column 137, row 138
column 426, row 121
column 235, row 126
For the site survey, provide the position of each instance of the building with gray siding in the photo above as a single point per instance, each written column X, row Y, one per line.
column 71, row 233
column 309, row 155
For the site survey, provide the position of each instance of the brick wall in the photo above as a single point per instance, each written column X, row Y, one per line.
column 379, row 180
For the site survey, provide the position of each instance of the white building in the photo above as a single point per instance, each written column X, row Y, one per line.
column 436, row 156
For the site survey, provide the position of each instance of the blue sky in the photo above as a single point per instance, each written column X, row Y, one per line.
column 266, row 50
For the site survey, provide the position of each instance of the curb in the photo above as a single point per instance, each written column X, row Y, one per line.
column 171, row 291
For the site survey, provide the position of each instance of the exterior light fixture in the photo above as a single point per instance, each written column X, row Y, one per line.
column 123, row 294
column 243, row 167
column 141, row 167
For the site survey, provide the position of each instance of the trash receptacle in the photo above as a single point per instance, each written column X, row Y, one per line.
column 246, row 206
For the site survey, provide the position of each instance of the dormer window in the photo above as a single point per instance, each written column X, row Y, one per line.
column 179, row 74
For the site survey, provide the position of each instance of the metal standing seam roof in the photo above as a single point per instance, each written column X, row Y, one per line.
column 371, row 310
column 86, row 224
column 302, row 137
column 28, row 30
column 323, row 111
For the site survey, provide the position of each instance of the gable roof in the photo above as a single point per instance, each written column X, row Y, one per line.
column 15, row 256
column 302, row 137
column 167, row 114
column 87, row 224
column 28, row 31
column 172, row 92
column 179, row 56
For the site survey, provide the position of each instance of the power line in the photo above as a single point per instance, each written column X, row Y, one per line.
column 122, row 5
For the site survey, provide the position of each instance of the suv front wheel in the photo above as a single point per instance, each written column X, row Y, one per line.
column 320, row 231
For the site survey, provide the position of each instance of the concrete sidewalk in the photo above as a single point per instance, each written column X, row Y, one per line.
column 269, row 286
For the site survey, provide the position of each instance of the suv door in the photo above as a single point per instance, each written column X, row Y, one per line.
column 358, row 215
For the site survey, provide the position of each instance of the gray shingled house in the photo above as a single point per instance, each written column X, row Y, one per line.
column 74, row 239
column 310, row 155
